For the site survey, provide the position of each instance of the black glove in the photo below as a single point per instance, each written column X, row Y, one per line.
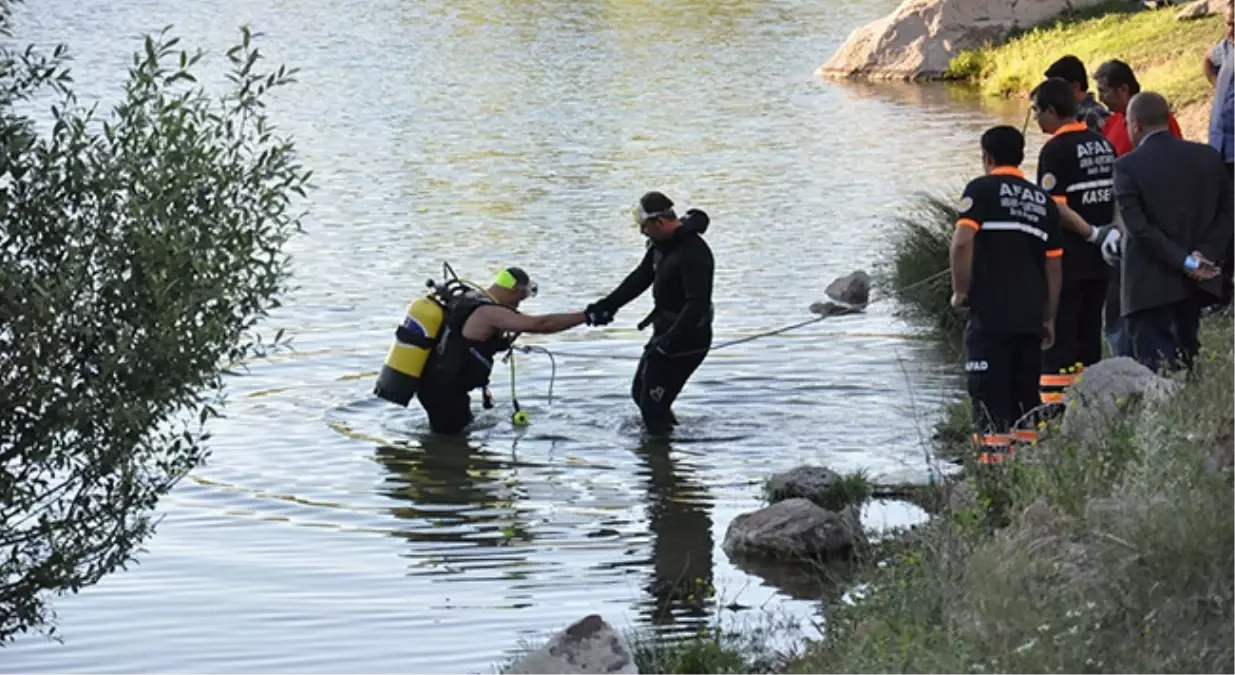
column 595, row 315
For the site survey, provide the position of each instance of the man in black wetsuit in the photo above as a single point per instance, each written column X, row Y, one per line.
column 678, row 265
column 476, row 327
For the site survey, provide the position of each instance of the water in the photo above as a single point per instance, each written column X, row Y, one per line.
column 328, row 533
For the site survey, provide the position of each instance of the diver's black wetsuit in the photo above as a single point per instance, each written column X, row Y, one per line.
column 679, row 271
column 457, row 366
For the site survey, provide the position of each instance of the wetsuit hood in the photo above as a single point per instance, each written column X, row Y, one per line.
column 694, row 221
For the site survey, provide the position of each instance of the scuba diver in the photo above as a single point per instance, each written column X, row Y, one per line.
column 476, row 327
column 678, row 265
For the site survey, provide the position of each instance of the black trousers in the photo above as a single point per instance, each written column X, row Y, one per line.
column 449, row 408
column 659, row 379
column 1228, row 257
column 1166, row 335
column 1078, row 326
column 1002, row 376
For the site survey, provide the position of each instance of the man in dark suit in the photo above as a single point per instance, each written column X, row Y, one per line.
column 1176, row 202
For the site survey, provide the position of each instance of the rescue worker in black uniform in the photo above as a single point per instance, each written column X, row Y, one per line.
column 476, row 327
column 1076, row 166
column 1006, row 273
column 678, row 265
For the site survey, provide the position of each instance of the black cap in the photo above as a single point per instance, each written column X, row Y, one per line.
column 652, row 204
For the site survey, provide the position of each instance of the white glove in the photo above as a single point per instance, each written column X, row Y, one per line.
column 1112, row 246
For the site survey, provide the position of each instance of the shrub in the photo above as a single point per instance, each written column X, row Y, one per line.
column 916, row 272
column 137, row 252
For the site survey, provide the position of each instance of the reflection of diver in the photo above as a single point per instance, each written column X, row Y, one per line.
column 678, row 517
column 446, row 472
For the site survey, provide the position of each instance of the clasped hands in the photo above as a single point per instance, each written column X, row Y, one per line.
column 597, row 315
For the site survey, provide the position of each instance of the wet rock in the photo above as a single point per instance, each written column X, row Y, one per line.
column 794, row 529
column 1109, row 394
column 807, row 482
column 848, row 295
column 590, row 645
column 920, row 37
column 852, row 289
column 1201, row 9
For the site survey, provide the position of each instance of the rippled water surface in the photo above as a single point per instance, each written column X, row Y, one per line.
column 329, row 532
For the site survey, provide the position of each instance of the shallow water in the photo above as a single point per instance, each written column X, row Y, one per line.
column 328, row 533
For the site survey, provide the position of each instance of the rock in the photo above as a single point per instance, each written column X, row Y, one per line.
column 794, row 529
column 962, row 495
column 1107, row 394
column 852, row 289
column 806, row 482
column 830, row 308
column 590, row 645
column 849, row 295
column 920, row 37
column 1200, row 9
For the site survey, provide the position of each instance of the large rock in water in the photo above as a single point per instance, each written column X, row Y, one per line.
column 1107, row 394
column 1201, row 9
column 919, row 38
column 793, row 529
column 588, row 646
column 849, row 294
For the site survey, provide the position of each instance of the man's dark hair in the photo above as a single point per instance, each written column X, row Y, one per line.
column 1116, row 74
column 1070, row 69
column 1004, row 144
column 655, row 201
column 1150, row 109
column 1055, row 93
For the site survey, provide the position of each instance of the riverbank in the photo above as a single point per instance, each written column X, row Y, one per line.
column 1165, row 53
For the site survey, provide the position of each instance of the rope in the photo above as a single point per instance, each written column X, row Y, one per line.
column 527, row 349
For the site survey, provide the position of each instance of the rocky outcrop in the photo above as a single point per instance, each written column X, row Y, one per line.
column 848, row 295
column 590, row 645
column 919, row 39
column 1201, row 9
column 793, row 530
column 1108, row 395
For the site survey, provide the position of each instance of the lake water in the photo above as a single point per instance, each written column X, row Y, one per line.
column 329, row 532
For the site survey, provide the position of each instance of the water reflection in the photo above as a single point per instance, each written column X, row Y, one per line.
column 945, row 98
column 679, row 519
column 454, row 493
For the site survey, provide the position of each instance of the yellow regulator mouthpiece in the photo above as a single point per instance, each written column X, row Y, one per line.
column 520, row 419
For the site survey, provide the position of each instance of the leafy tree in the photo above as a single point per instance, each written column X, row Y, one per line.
column 137, row 253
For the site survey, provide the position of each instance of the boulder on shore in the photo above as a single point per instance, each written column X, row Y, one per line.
column 590, row 645
column 794, row 529
column 1201, row 9
column 919, row 38
column 1109, row 394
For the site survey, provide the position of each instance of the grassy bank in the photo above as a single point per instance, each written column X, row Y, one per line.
column 1117, row 558
column 1165, row 53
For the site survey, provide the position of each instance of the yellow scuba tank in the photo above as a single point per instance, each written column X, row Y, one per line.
column 414, row 341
